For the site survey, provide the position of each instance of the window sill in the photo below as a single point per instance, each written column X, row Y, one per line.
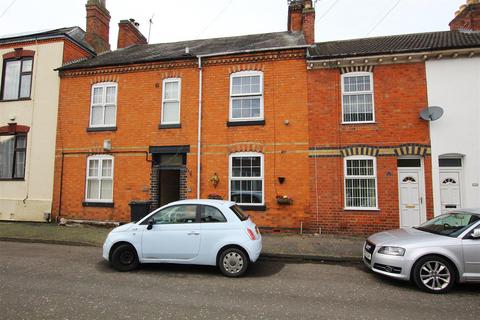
column 170, row 126
column 253, row 208
column 98, row 204
column 100, row 129
column 362, row 209
column 13, row 100
column 10, row 179
column 353, row 123
column 245, row 123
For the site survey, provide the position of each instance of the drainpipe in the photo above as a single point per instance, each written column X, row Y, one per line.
column 199, row 142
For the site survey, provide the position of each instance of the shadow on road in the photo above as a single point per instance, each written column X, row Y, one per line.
column 462, row 288
column 257, row 270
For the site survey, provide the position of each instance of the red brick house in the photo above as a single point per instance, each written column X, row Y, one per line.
column 370, row 152
column 222, row 117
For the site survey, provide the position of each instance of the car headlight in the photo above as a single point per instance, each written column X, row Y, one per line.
column 392, row 251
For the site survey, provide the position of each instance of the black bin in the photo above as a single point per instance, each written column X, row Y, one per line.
column 139, row 209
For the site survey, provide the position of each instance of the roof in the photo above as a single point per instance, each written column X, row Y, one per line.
column 76, row 34
column 176, row 50
column 405, row 43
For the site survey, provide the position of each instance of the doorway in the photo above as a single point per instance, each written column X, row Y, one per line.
column 169, row 186
column 450, row 184
column 411, row 192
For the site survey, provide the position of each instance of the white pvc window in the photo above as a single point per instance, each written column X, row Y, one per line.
column 246, row 96
column 357, row 98
column 247, row 178
column 103, row 110
column 171, row 101
column 360, row 183
column 99, row 179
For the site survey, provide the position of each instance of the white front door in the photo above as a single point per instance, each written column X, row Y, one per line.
column 409, row 185
column 450, row 190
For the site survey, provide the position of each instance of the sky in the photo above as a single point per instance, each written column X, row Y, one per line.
column 175, row 20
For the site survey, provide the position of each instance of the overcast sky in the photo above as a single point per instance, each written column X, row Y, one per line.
column 176, row 20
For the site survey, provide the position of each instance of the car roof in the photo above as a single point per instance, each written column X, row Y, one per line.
column 204, row 202
column 475, row 211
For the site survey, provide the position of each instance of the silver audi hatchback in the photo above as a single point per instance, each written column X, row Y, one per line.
column 435, row 255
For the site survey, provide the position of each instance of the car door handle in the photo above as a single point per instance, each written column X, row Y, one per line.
column 193, row 233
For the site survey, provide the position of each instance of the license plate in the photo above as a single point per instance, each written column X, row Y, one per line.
column 367, row 255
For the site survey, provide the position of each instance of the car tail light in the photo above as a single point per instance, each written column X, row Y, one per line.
column 251, row 234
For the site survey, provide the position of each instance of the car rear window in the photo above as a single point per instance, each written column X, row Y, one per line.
column 239, row 213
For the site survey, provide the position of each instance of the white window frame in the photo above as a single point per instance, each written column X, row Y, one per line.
column 103, row 104
column 262, row 175
column 345, row 177
column 372, row 92
column 100, row 158
column 164, row 100
column 260, row 95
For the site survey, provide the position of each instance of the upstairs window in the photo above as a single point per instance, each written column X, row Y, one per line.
column 357, row 97
column 12, row 156
column 103, row 110
column 360, row 183
column 246, row 96
column 99, row 179
column 17, row 79
column 171, row 101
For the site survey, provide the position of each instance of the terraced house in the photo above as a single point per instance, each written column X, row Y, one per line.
column 371, row 152
column 28, row 117
column 323, row 136
column 220, row 118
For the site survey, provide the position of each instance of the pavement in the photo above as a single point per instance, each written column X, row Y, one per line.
column 40, row 281
column 285, row 247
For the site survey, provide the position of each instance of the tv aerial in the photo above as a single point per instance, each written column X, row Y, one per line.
column 431, row 113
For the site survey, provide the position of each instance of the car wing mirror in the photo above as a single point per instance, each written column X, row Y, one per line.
column 151, row 222
column 476, row 233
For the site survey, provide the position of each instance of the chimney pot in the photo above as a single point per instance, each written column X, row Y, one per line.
column 467, row 17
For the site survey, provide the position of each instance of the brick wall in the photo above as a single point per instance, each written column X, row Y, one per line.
column 399, row 96
column 285, row 146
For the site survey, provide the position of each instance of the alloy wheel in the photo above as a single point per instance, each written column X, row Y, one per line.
column 435, row 275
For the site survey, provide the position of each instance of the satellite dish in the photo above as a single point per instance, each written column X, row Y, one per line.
column 431, row 113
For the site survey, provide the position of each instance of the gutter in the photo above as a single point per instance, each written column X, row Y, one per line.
column 199, row 142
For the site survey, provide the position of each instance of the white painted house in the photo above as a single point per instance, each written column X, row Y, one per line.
column 453, row 83
column 29, row 91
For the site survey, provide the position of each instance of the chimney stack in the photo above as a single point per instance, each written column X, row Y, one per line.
column 128, row 34
column 98, row 25
column 467, row 18
column 301, row 18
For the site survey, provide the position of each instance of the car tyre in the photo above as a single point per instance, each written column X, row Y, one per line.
column 124, row 258
column 233, row 262
column 434, row 274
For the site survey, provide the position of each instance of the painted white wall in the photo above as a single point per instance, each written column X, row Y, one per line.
column 454, row 85
column 28, row 200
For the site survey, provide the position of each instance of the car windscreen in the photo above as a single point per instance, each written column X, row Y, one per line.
column 450, row 224
column 239, row 212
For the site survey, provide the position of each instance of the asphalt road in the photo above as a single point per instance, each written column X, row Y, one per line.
column 39, row 281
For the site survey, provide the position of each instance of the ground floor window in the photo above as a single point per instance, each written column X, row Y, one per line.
column 99, row 179
column 12, row 156
column 360, row 183
column 246, row 178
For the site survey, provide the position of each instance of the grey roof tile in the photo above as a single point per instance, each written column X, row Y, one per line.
column 75, row 33
column 405, row 43
column 176, row 50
